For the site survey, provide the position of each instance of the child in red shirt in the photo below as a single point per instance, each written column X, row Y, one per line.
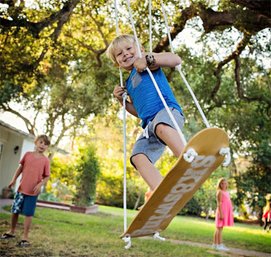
column 267, row 217
column 35, row 170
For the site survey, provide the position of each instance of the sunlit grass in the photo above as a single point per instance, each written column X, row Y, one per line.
column 61, row 233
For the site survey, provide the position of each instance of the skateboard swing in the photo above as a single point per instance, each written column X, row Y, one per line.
column 194, row 165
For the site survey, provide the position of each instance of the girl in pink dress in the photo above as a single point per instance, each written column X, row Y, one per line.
column 224, row 213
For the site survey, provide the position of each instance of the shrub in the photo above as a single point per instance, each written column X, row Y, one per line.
column 87, row 169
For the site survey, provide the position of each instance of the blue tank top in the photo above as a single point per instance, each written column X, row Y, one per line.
column 145, row 97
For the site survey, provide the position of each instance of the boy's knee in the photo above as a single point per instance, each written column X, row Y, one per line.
column 137, row 159
column 160, row 129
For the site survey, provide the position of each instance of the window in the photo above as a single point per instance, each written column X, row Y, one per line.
column 1, row 149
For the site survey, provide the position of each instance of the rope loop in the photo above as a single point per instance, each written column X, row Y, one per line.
column 178, row 67
column 225, row 151
column 190, row 155
column 156, row 235
column 124, row 97
column 127, row 240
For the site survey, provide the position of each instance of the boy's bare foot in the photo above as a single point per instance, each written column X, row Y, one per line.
column 148, row 195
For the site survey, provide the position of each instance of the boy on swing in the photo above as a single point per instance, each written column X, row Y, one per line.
column 145, row 103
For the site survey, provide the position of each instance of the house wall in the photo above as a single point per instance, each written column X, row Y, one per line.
column 9, row 160
column 27, row 145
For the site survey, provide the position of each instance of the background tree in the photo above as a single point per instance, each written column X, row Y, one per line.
column 55, row 79
column 52, row 61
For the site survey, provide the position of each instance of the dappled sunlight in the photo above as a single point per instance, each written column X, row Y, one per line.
column 253, row 230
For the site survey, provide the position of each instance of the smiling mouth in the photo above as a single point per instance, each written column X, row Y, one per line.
column 128, row 59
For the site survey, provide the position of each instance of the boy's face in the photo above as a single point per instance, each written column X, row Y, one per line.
column 41, row 146
column 126, row 54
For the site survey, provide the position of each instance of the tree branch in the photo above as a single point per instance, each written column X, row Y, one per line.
column 63, row 16
column 30, row 127
column 248, row 21
column 36, row 27
column 260, row 6
column 179, row 24
column 240, row 47
column 240, row 90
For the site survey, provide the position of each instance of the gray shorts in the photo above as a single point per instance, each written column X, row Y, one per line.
column 153, row 147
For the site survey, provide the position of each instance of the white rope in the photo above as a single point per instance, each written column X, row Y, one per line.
column 133, row 28
column 117, row 33
column 194, row 98
column 124, row 97
column 167, row 109
column 150, row 25
column 166, row 23
column 181, row 73
column 116, row 16
column 153, row 80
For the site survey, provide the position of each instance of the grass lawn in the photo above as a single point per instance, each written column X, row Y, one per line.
column 61, row 233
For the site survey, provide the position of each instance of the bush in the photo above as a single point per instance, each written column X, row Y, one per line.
column 110, row 192
column 87, row 169
column 191, row 208
column 48, row 197
column 61, row 182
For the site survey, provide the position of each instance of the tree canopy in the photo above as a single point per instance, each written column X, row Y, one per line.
column 66, row 40
column 52, row 62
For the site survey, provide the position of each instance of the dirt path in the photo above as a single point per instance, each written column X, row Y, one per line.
column 232, row 252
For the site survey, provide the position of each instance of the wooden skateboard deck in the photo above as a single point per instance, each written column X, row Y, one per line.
column 180, row 184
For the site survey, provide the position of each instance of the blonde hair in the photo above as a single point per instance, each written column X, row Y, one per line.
column 114, row 45
column 44, row 138
column 218, row 187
